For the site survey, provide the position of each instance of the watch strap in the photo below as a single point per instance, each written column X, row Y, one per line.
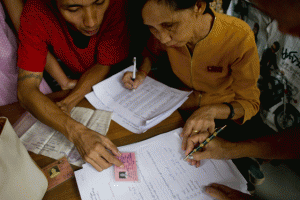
column 231, row 115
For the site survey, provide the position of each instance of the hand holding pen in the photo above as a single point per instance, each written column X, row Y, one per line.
column 132, row 80
column 215, row 147
column 134, row 69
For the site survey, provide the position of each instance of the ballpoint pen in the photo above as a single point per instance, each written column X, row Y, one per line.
column 134, row 68
column 205, row 142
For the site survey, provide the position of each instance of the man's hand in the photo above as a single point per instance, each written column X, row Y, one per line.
column 129, row 83
column 95, row 149
column 223, row 192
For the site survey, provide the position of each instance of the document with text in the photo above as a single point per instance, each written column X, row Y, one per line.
column 42, row 139
column 145, row 107
column 162, row 174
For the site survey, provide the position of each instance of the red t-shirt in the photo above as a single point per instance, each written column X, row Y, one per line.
column 43, row 29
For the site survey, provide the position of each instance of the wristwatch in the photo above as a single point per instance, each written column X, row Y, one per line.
column 231, row 115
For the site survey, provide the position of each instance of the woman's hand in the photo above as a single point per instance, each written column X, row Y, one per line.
column 202, row 120
column 218, row 148
column 129, row 83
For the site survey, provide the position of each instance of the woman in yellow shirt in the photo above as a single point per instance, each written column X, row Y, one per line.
column 213, row 54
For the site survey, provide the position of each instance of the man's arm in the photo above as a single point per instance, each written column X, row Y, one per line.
column 14, row 9
column 91, row 145
column 91, row 77
column 283, row 145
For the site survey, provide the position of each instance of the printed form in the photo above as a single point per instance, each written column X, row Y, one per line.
column 44, row 140
column 162, row 174
column 146, row 106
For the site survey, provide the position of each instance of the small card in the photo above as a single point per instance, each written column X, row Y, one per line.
column 58, row 172
column 129, row 172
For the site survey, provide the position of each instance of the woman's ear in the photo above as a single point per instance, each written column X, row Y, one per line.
column 200, row 7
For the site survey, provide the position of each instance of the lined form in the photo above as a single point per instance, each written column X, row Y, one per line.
column 145, row 106
column 162, row 172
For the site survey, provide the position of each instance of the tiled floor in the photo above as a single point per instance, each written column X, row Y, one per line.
column 281, row 183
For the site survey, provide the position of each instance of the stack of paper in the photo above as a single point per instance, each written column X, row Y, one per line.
column 44, row 140
column 162, row 174
column 140, row 109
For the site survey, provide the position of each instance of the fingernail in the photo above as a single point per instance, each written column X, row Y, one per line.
column 203, row 189
column 207, row 189
column 191, row 157
column 122, row 166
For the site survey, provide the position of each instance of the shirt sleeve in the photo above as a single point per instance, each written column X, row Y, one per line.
column 154, row 49
column 32, row 49
column 113, row 46
column 245, row 72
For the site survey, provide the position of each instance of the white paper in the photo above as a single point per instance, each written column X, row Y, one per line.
column 44, row 140
column 126, row 123
column 163, row 174
column 150, row 102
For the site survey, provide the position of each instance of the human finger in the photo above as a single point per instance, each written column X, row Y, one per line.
column 127, row 80
column 94, row 164
column 193, row 162
column 186, row 132
column 195, row 139
column 197, row 163
column 62, row 106
column 127, row 76
column 112, row 159
column 211, row 128
column 128, row 86
column 187, row 128
column 138, row 81
column 59, row 104
column 201, row 155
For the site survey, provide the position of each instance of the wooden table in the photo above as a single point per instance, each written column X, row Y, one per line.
column 119, row 136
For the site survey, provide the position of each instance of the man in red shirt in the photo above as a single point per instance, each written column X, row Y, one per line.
column 88, row 36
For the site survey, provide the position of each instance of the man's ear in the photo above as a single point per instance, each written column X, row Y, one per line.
column 200, row 7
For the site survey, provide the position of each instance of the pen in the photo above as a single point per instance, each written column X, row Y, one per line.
column 134, row 68
column 205, row 142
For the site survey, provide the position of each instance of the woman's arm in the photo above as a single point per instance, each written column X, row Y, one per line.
column 283, row 145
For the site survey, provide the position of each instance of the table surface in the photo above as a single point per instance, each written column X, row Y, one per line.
column 116, row 133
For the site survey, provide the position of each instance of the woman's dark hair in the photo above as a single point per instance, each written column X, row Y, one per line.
column 182, row 4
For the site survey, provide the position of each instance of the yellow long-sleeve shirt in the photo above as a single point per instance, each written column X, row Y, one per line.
column 224, row 66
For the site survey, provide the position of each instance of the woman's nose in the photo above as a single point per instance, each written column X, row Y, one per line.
column 165, row 37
